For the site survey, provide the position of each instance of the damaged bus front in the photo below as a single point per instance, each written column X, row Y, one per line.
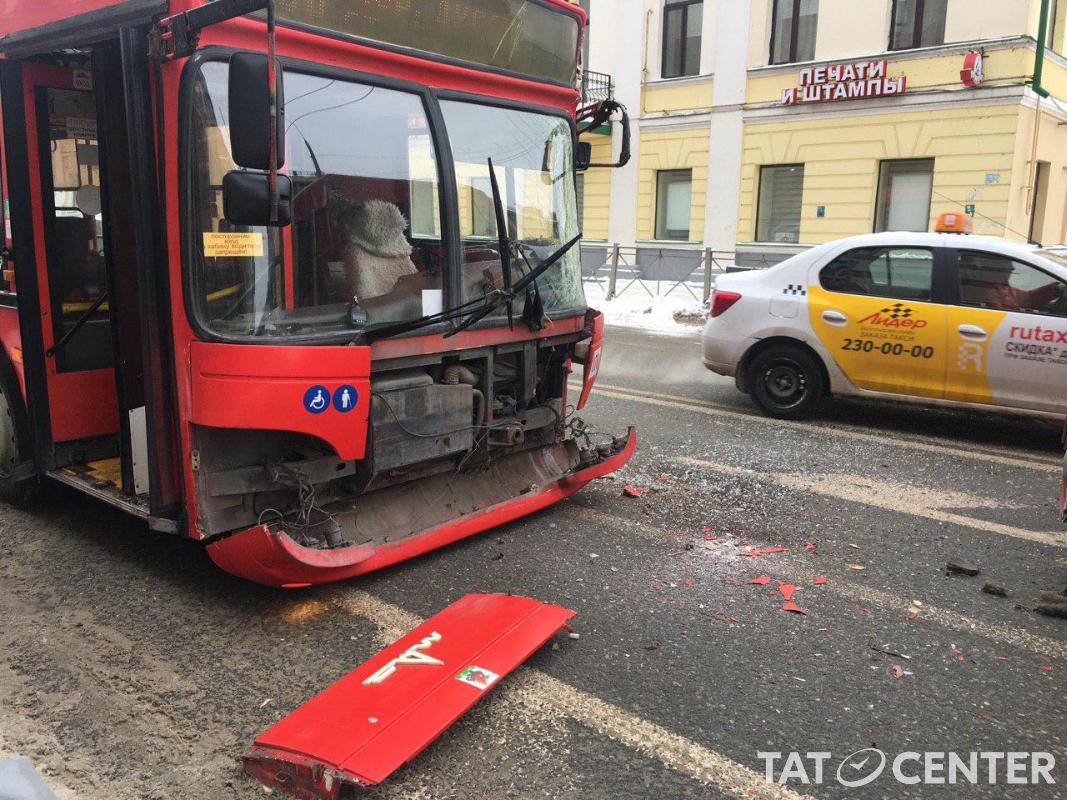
column 317, row 286
column 402, row 348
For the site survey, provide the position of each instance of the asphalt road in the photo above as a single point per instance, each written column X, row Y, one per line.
column 131, row 668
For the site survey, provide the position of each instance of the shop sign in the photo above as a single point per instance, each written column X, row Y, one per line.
column 971, row 75
column 853, row 81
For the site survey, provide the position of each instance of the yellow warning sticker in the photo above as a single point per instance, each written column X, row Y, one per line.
column 231, row 245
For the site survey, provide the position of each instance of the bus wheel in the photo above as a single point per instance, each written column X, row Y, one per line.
column 19, row 493
column 785, row 382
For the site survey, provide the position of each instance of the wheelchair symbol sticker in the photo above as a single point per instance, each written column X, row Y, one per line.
column 344, row 398
column 317, row 399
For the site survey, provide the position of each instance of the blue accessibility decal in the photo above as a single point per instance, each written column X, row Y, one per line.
column 317, row 399
column 344, row 398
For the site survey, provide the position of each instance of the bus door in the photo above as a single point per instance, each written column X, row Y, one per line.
column 66, row 185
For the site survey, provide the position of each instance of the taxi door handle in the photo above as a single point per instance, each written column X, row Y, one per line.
column 832, row 317
column 972, row 332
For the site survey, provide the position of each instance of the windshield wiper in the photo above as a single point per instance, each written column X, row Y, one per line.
column 504, row 243
column 488, row 304
column 493, row 301
column 386, row 329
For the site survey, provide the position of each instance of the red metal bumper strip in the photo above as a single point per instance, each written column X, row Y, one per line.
column 276, row 560
column 387, row 710
column 594, row 323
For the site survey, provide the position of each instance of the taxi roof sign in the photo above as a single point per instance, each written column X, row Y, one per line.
column 954, row 222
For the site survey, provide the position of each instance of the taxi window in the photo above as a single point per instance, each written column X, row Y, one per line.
column 902, row 273
column 989, row 280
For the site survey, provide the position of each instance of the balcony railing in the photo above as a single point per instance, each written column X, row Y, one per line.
column 596, row 86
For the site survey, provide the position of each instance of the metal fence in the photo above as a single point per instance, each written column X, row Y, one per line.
column 659, row 271
column 596, row 86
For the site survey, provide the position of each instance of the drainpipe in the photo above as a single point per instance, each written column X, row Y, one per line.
column 1041, row 92
column 1039, row 56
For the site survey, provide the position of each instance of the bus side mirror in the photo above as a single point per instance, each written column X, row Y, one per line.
column 249, row 112
column 583, row 155
column 246, row 198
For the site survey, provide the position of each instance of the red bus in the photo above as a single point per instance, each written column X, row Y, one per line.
column 322, row 322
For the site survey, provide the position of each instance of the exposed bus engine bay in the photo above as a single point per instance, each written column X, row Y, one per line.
column 448, row 435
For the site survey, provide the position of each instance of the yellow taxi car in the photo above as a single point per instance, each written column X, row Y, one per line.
column 944, row 318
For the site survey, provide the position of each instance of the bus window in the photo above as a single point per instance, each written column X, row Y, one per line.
column 366, row 213
column 74, row 228
column 532, row 157
column 523, row 36
column 7, row 270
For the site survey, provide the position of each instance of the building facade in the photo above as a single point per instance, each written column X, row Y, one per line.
column 764, row 126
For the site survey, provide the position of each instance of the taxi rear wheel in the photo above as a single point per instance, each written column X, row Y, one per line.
column 785, row 382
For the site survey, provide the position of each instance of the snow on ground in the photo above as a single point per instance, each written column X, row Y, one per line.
column 637, row 307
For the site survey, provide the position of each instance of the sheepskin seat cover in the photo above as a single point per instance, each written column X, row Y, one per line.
column 377, row 254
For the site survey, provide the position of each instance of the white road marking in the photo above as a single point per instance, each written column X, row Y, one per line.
column 537, row 692
column 832, row 486
column 1008, row 635
column 895, row 439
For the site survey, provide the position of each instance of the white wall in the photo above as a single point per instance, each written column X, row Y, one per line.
column 987, row 19
column 849, row 28
column 602, row 22
column 626, row 68
column 726, row 135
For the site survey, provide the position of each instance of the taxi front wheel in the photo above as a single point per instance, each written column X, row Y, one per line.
column 785, row 382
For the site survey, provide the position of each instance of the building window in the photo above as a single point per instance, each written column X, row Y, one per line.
column 682, row 22
column 1053, row 26
column 1039, row 201
column 793, row 26
column 904, row 189
column 917, row 23
column 674, row 190
column 900, row 273
column 781, row 192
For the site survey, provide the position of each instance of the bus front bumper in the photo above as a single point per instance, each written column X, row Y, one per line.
column 534, row 480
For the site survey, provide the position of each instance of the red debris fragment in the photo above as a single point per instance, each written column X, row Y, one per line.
column 763, row 551
column 634, row 491
column 809, row 545
column 820, row 580
column 787, row 589
column 762, row 580
column 728, row 578
column 705, row 530
column 789, row 605
column 898, row 671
